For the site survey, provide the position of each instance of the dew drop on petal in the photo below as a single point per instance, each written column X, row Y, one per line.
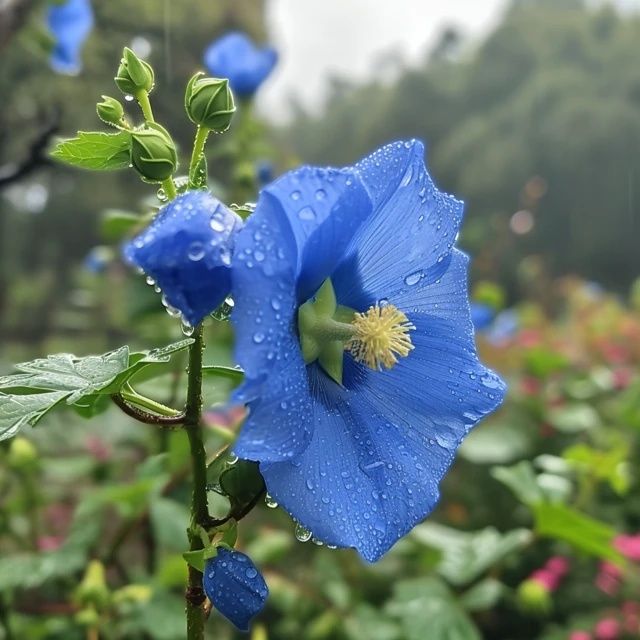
column 270, row 502
column 302, row 534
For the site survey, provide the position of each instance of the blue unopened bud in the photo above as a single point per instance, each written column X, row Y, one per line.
column 209, row 102
column 134, row 74
column 153, row 153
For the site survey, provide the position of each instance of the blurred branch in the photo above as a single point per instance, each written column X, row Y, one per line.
column 13, row 14
column 36, row 156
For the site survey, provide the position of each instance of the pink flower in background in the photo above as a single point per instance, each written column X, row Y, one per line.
column 607, row 629
column 608, row 578
column 97, row 448
column 580, row 635
column 49, row 543
column 558, row 565
column 628, row 546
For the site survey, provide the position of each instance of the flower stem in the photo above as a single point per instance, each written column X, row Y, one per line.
column 199, row 507
column 130, row 394
column 142, row 97
column 202, row 133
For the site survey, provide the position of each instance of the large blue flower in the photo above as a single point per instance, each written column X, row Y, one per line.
column 70, row 23
column 187, row 251
column 236, row 57
column 234, row 586
column 357, row 455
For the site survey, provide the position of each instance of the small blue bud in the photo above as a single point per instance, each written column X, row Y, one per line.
column 235, row 587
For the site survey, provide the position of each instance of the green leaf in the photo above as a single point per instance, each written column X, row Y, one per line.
column 466, row 556
column 496, row 443
column 219, row 371
column 573, row 418
column 427, row 609
column 483, row 596
column 368, row 623
column 522, row 480
column 95, row 150
column 45, row 383
column 242, row 482
column 169, row 520
column 561, row 522
column 116, row 224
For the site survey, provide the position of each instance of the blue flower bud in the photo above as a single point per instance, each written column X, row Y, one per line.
column 134, row 74
column 153, row 153
column 236, row 57
column 209, row 102
column 70, row 23
column 187, row 251
column 235, row 587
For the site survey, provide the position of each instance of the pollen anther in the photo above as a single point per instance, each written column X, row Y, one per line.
column 382, row 335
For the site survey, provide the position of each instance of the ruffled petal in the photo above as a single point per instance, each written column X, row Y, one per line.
column 324, row 208
column 267, row 348
column 235, row 587
column 187, row 251
column 70, row 23
column 383, row 443
column 408, row 237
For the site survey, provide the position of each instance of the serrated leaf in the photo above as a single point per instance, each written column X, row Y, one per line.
column 426, row 608
column 95, row 150
column 466, row 556
column 42, row 384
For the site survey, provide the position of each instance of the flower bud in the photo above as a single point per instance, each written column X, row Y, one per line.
column 533, row 597
column 22, row 454
column 134, row 74
column 209, row 102
column 153, row 153
column 93, row 590
column 110, row 110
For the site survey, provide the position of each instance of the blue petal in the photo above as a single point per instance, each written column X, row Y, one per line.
column 234, row 56
column 187, row 250
column 383, row 442
column 324, row 208
column 70, row 23
column 263, row 287
column 235, row 587
column 410, row 234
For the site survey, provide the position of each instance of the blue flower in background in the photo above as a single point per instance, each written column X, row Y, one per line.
column 97, row 259
column 187, row 251
column 264, row 172
column 70, row 23
column 481, row 315
column 236, row 57
column 235, row 587
column 504, row 327
column 354, row 434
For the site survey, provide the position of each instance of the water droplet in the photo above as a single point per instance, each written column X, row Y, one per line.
column 196, row 251
column 413, row 278
column 270, row 502
column 302, row 534
column 310, row 485
column 296, row 195
column 162, row 195
column 187, row 329
column 251, row 573
column 258, row 337
column 275, row 304
column 232, row 458
column 258, row 255
column 217, row 225
column 406, row 179
column 306, row 213
column 150, row 281
column 128, row 98
column 321, row 194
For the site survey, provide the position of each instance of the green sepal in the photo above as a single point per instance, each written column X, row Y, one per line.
column 195, row 559
column 134, row 74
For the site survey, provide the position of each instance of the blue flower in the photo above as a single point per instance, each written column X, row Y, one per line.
column 236, row 57
column 482, row 315
column 354, row 444
column 186, row 251
column 70, row 23
column 235, row 587
column 504, row 327
column 97, row 259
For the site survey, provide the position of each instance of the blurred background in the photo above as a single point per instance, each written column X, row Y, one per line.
column 530, row 110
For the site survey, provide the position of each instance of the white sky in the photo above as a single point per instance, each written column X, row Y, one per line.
column 318, row 38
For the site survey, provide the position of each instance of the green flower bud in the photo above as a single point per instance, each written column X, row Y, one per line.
column 22, row 454
column 534, row 598
column 110, row 110
column 93, row 589
column 153, row 153
column 209, row 102
column 134, row 74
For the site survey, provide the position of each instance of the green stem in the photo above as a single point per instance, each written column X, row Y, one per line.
column 145, row 104
column 199, row 507
column 202, row 133
column 132, row 396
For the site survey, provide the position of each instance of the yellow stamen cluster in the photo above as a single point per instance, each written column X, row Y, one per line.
column 382, row 334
